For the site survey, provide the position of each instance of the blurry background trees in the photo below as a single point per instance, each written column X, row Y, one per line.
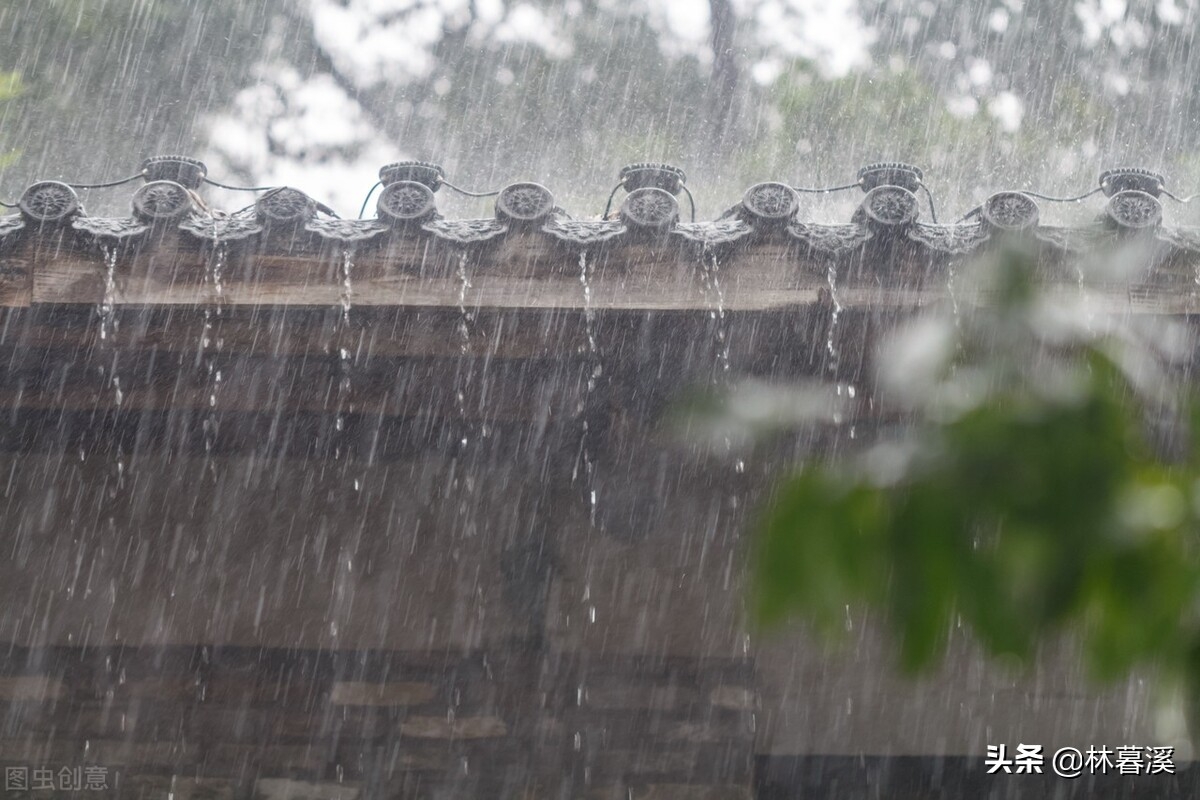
column 984, row 94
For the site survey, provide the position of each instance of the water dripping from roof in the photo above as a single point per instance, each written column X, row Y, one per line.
column 595, row 369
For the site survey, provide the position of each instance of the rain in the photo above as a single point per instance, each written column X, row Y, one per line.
column 705, row 400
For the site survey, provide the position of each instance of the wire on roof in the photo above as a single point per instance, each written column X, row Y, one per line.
column 691, row 200
column 253, row 205
column 858, row 184
column 107, row 185
column 239, row 188
column 1062, row 199
column 613, row 193
column 827, row 189
column 1184, row 200
column 929, row 197
column 363, row 210
column 445, row 182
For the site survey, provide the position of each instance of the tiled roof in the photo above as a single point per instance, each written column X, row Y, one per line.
column 889, row 216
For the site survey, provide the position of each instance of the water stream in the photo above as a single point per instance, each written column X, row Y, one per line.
column 832, row 350
column 465, row 320
column 585, row 467
column 716, row 298
column 831, row 347
column 106, row 311
column 461, row 481
column 107, row 308
column 211, row 343
column 345, row 346
column 710, row 277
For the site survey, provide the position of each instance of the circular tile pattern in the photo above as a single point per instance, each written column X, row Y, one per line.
column 1134, row 210
column 286, row 205
column 650, row 209
column 1010, row 211
column 524, row 202
column 406, row 201
column 161, row 201
column 49, row 201
column 889, row 207
column 771, row 202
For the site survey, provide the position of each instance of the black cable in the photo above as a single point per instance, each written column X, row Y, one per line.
column 10, row 205
column 324, row 209
column 106, row 185
column 363, row 210
column 611, row 195
column 691, row 200
column 929, row 196
column 977, row 210
column 469, row 194
column 827, row 189
column 1187, row 199
column 239, row 188
column 255, row 204
column 1062, row 199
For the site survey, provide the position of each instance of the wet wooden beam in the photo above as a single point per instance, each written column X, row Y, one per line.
column 532, row 271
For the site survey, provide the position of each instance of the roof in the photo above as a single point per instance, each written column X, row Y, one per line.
column 531, row 236
column 531, row 284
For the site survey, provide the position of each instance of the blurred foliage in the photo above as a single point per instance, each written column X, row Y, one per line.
column 616, row 94
column 107, row 84
column 1029, row 496
column 10, row 90
column 918, row 125
column 1130, row 69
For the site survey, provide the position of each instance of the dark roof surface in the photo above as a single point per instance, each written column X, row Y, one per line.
column 890, row 215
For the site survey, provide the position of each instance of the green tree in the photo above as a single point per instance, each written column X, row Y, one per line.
column 1028, row 497
column 107, row 84
column 10, row 90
